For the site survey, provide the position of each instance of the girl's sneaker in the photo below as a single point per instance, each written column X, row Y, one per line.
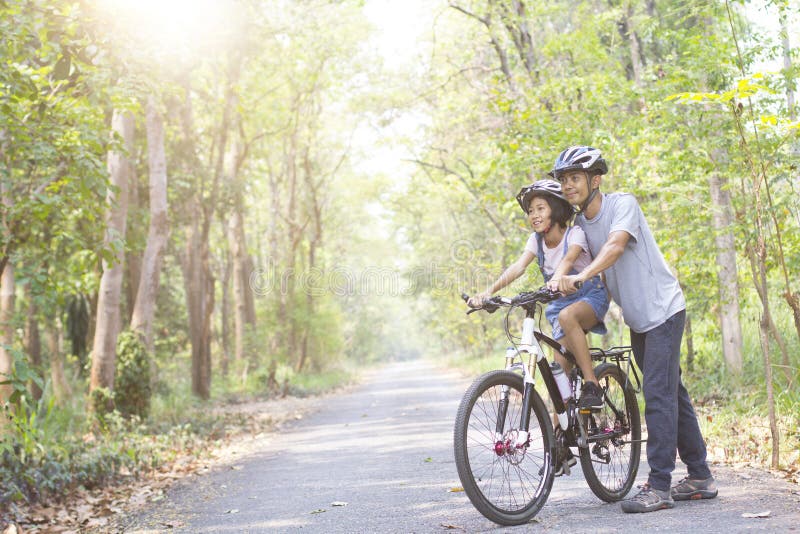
column 591, row 397
column 564, row 461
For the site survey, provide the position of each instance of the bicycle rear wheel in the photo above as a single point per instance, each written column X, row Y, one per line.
column 507, row 483
column 610, row 465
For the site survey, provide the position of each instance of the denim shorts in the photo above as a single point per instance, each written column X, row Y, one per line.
column 594, row 293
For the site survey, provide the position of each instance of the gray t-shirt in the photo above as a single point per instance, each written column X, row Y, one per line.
column 640, row 281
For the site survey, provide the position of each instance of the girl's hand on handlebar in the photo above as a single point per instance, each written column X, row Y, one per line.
column 553, row 284
column 478, row 300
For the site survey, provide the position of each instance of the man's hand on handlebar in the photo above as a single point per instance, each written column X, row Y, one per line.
column 569, row 284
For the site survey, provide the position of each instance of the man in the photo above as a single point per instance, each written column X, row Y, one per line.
column 639, row 280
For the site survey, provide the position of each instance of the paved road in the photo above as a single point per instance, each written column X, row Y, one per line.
column 386, row 451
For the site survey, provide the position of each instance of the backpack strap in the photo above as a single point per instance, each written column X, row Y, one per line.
column 540, row 254
column 566, row 240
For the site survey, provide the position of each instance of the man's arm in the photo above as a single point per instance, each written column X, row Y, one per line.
column 608, row 256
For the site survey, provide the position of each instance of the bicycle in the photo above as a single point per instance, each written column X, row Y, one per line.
column 505, row 445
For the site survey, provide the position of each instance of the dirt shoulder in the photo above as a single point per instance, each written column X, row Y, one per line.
column 247, row 425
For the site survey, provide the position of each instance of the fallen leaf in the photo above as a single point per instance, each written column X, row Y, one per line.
column 95, row 522
column 237, row 467
column 757, row 515
column 338, row 503
column 11, row 529
column 232, row 511
column 319, row 511
column 173, row 524
column 105, row 512
column 429, row 459
column 452, row 527
column 455, row 490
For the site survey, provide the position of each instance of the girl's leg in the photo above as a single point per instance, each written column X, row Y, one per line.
column 575, row 320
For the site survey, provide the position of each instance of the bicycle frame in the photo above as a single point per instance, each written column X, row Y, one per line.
column 531, row 345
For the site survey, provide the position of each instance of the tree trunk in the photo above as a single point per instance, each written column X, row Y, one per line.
column 199, row 286
column 61, row 388
column 637, row 62
column 7, row 291
column 772, row 327
column 758, row 262
column 108, row 305
column 312, row 187
column 133, row 258
column 33, row 342
column 787, row 64
column 225, row 313
column 242, row 317
column 243, row 304
column 727, row 274
column 197, row 276
column 158, row 233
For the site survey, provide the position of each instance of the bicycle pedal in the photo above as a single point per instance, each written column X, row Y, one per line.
column 565, row 468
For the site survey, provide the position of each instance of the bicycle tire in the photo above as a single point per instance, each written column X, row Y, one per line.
column 610, row 466
column 507, row 485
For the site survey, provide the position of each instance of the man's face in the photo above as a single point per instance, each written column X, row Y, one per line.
column 575, row 186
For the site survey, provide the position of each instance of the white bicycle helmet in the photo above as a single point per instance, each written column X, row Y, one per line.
column 539, row 188
column 581, row 158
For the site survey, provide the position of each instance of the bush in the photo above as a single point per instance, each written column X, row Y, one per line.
column 132, row 390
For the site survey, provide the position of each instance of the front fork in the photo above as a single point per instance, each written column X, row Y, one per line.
column 529, row 345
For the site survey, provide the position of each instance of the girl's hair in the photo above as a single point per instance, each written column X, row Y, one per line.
column 561, row 212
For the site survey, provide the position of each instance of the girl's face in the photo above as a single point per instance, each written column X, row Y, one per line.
column 539, row 214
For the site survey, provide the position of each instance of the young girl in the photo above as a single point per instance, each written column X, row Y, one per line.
column 560, row 250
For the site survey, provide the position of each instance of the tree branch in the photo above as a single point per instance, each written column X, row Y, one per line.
column 445, row 169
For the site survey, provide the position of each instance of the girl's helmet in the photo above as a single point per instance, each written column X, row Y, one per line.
column 540, row 188
column 582, row 158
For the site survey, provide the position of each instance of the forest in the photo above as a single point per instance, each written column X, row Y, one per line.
column 205, row 202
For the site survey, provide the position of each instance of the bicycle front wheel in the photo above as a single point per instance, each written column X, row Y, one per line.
column 507, row 478
column 610, row 465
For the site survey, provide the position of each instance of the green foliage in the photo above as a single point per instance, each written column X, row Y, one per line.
column 22, row 374
column 101, row 401
column 132, row 390
column 51, row 451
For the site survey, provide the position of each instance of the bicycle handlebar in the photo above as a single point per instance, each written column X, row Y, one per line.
column 542, row 295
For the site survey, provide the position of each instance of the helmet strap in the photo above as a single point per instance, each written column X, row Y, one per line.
column 591, row 195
